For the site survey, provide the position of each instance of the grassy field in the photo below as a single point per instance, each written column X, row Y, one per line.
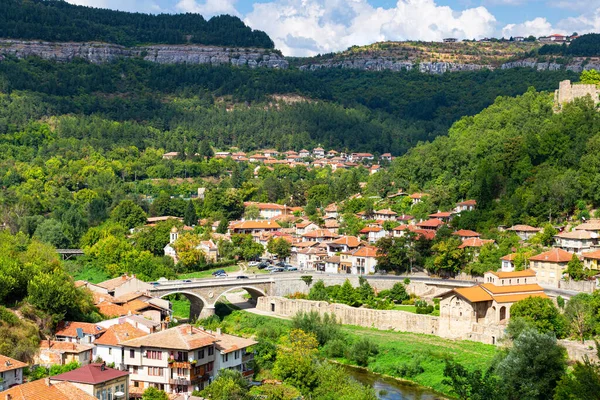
column 413, row 309
column 90, row 274
column 396, row 349
column 181, row 307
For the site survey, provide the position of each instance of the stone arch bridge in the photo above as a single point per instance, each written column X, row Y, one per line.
column 203, row 294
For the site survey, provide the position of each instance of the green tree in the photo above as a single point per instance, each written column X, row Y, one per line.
column 154, row 394
column 590, row 77
column 334, row 383
column 541, row 313
column 296, row 359
column 128, row 214
column 448, row 257
column 392, row 254
column 190, row 217
column 472, row 385
column 347, row 294
column 362, row 350
column 318, row 292
column 575, row 268
column 583, row 383
column 252, row 212
column 54, row 293
column 280, row 247
column 325, row 328
column 229, row 385
column 398, row 293
column 532, row 367
column 580, row 315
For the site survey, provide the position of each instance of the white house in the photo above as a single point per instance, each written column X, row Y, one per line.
column 578, row 241
column 108, row 346
column 373, row 233
column 11, row 372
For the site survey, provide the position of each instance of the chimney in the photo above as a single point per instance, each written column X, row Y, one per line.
column 74, row 346
column 218, row 331
column 8, row 397
column 48, row 382
column 191, row 330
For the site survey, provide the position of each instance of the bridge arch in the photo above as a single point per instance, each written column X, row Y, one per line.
column 197, row 303
column 254, row 292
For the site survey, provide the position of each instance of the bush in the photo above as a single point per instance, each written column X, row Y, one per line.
column 335, row 348
column 325, row 328
column 361, row 351
column 410, row 369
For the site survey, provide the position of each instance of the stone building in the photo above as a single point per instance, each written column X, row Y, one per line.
column 472, row 309
column 568, row 92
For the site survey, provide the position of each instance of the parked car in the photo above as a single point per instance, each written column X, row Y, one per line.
column 241, row 277
column 154, row 283
column 280, row 264
column 290, row 267
column 263, row 265
column 222, row 275
column 253, row 264
column 219, row 272
column 187, row 281
column 277, row 269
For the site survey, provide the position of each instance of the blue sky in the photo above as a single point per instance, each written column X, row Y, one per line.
column 309, row 27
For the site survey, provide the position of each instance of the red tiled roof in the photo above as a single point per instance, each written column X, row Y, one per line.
column 556, row 255
column 467, row 203
column 369, row 229
column 91, row 374
column 320, row 233
column 366, row 251
column 474, row 242
column 116, row 334
column 592, row 254
column 69, row 329
column 8, row 364
column 466, row 233
column 441, row 214
column 434, row 222
column 350, row 241
column 40, row 390
column 523, row 228
column 256, row 225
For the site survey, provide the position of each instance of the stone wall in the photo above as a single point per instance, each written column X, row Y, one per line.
column 162, row 54
column 567, row 92
column 383, row 64
column 379, row 319
column 582, row 286
column 578, row 351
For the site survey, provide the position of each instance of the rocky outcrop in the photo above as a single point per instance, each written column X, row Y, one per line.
column 163, row 54
column 382, row 64
column 575, row 66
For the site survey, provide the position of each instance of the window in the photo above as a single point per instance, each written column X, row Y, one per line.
column 135, row 369
column 236, row 355
column 136, row 384
column 154, row 355
column 131, row 353
column 225, row 357
column 16, row 373
column 209, row 366
column 200, row 354
column 211, row 351
column 110, row 351
column 155, row 371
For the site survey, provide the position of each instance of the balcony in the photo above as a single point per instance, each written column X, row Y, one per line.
column 247, row 357
column 180, row 364
column 248, row 374
column 180, row 382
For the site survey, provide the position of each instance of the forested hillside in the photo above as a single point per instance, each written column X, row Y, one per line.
column 521, row 161
column 57, row 20
column 132, row 102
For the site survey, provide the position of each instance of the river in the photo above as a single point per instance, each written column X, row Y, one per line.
column 391, row 389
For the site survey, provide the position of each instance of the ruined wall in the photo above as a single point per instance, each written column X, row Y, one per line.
column 568, row 92
column 379, row 319
column 162, row 54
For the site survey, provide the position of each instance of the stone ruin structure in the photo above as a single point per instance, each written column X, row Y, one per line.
column 568, row 92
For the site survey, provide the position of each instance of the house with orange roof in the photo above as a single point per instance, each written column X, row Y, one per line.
column 465, row 234
column 473, row 246
column 386, row 157
column 318, row 152
column 137, row 321
column 342, row 244
column 332, row 225
column 312, row 258
column 508, row 262
column 11, row 372
column 524, row 232
column 550, row 265
column 362, row 260
column 332, row 153
column 124, row 284
column 42, row 389
column 385, row 215
column 53, row 352
column 487, row 304
column 184, row 357
column 170, row 155
column 268, row 210
column 108, row 346
column 430, row 224
column 254, row 227
column 591, row 260
column 358, row 157
column 305, row 226
column 303, row 153
column 320, row 235
column 445, row 216
column 418, row 197
column 373, row 233
column 332, row 265
column 576, row 241
column 331, row 211
column 78, row 332
column 467, row 205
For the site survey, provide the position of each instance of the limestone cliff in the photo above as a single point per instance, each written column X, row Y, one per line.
column 163, row 54
column 382, row 64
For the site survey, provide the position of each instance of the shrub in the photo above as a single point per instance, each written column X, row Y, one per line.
column 362, row 350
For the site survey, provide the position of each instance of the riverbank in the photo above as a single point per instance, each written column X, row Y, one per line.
column 412, row 357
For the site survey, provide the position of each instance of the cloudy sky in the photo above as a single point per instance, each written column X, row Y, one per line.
column 309, row 27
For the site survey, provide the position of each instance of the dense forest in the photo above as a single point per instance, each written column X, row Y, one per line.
column 57, row 20
column 132, row 102
column 523, row 162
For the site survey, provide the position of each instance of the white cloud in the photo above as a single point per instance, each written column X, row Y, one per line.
column 536, row 27
column 207, row 8
column 144, row 6
column 308, row 27
column 585, row 23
